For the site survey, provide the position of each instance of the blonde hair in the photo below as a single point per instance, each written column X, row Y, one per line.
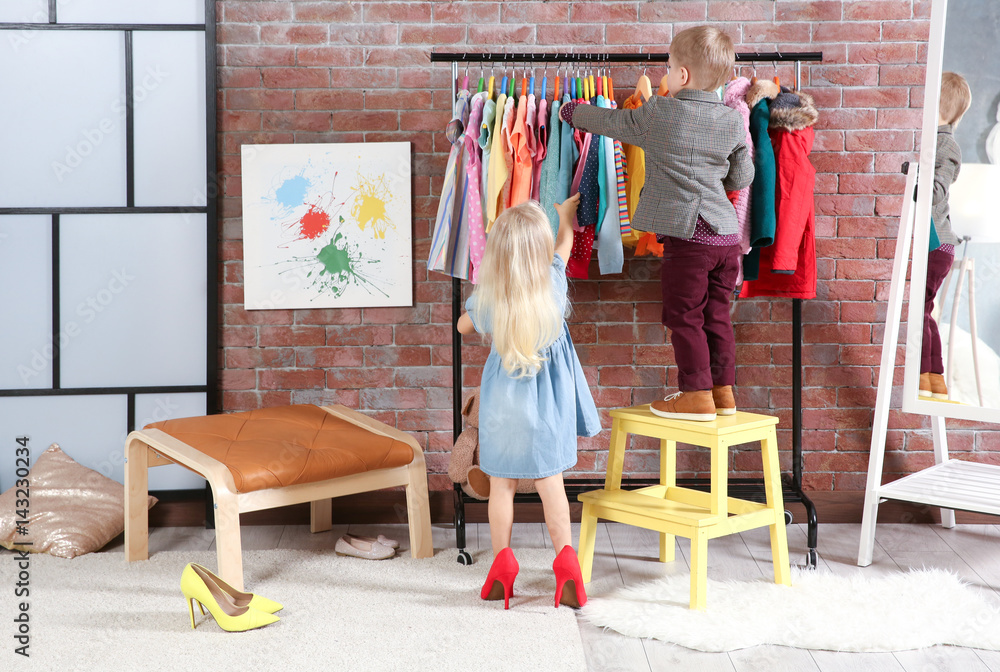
column 514, row 293
column 707, row 53
column 956, row 97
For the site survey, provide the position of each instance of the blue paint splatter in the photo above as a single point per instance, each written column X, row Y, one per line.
column 292, row 193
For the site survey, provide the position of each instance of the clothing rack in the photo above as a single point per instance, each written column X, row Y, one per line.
column 744, row 488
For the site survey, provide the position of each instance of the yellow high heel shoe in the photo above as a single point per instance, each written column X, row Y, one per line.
column 237, row 597
column 200, row 585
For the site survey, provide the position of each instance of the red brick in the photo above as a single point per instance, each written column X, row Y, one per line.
column 405, row 356
column 630, row 333
column 291, row 336
column 407, row 334
column 637, row 33
column 296, row 78
column 818, row 11
column 844, row 75
column 328, row 100
column 297, row 121
column 466, row 12
column 905, row 31
column 604, row 12
column 900, row 119
column 237, row 56
column 436, row 35
column 846, row 32
column 880, row 10
column 238, row 78
column 331, row 57
column 397, row 12
column 866, row 184
column 358, row 335
column 534, row 12
column 238, row 379
column 256, row 99
column 367, row 120
column 293, row 34
column 882, row 53
column 843, row 162
column 672, row 12
column 291, row 379
column 902, row 75
column 632, row 376
column 569, row 34
column 328, row 12
column 235, row 33
column 339, row 378
column 740, row 11
column 768, row 32
column 256, row 12
column 501, row 34
column 393, row 399
column 329, row 357
column 254, row 358
column 409, row 421
column 879, row 97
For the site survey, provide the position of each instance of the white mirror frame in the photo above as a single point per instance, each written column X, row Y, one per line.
column 912, row 403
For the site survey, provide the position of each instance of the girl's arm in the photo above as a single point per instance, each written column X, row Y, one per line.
column 564, row 237
column 465, row 325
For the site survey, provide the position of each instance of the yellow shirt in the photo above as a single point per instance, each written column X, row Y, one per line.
column 498, row 173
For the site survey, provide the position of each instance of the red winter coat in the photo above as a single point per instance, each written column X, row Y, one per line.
column 788, row 267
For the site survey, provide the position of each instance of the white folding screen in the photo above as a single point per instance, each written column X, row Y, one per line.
column 107, row 224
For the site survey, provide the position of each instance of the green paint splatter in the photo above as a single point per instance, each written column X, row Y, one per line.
column 339, row 268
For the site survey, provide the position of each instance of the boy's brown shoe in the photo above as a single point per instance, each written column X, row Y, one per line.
column 725, row 402
column 925, row 385
column 697, row 405
column 939, row 389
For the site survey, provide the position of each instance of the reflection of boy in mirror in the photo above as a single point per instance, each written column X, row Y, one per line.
column 955, row 100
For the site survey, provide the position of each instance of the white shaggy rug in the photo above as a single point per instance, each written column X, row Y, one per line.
column 820, row 610
column 97, row 612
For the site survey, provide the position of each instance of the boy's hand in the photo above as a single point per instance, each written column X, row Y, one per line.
column 567, row 209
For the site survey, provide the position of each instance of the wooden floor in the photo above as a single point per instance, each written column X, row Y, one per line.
column 625, row 556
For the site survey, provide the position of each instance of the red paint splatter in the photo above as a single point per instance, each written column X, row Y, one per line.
column 314, row 223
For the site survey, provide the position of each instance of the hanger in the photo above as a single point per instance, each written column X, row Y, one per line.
column 775, row 66
column 524, row 80
column 531, row 82
column 753, row 80
column 492, row 79
column 465, row 80
column 644, row 87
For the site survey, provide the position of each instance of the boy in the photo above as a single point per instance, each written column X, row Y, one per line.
column 955, row 100
column 695, row 152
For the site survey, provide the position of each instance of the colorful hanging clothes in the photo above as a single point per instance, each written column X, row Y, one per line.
column 498, row 173
column 788, row 267
column 485, row 142
column 448, row 254
column 735, row 97
column 506, row 131
column 470, row 199
column 520, row 183
column 762, row 218
column 621, row 175
column 610, row 255
column 549, row 172
column 541, row 148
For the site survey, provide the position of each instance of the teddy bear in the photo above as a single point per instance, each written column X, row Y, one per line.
column 464, row 465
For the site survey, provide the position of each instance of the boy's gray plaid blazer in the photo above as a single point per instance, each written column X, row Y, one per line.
column 695, row 151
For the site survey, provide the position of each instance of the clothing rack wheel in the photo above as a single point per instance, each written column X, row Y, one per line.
column 792, row 490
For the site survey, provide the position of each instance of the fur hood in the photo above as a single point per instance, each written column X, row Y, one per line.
column 793, row 111
column 762, row 88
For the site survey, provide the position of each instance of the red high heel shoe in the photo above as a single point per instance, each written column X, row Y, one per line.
column 500, row 580
column 569, row 579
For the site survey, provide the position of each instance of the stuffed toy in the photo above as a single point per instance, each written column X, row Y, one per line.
column 464, row 466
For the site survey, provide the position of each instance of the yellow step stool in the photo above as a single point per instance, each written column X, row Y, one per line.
column 671, row 510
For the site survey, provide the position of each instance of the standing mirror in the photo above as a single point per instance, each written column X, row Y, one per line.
column 966, row 311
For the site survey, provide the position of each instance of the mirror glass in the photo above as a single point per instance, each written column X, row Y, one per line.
column 966, row 309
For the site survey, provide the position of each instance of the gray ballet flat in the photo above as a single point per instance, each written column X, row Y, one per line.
column 357, row 547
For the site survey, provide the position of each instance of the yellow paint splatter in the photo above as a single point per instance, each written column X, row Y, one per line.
column 371, row 197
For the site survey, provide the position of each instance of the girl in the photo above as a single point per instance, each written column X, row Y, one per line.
column 534, row 400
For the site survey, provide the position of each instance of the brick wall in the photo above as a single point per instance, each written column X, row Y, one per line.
column 359, row 71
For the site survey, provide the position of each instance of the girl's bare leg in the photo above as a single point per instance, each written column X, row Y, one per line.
column 555, row 507
column 501, row 511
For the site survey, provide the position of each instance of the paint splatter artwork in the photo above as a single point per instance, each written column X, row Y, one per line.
column 327, row 225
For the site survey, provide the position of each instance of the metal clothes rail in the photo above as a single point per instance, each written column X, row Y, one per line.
column 745, row 488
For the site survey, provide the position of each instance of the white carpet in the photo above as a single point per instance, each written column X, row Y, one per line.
column 97, row 612
column 819, row 611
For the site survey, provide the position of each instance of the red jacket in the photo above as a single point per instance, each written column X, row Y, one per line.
column 788, row 267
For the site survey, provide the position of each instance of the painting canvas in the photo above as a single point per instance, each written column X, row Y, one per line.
column 327, row 225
